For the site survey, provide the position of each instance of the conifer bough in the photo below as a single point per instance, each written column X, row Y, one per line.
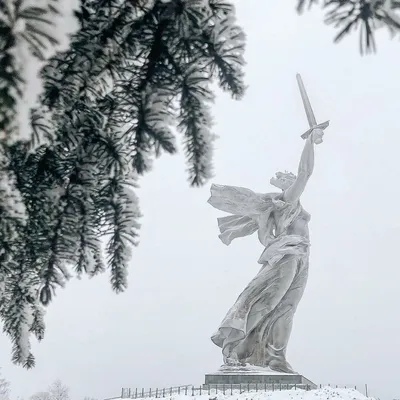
column 366, row 16
column 134, row 72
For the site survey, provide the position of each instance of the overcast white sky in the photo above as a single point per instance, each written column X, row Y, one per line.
column 183, row 279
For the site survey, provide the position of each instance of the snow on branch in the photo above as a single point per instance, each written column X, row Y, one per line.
column 27, row 39
column 110, row 105
column 195, row 122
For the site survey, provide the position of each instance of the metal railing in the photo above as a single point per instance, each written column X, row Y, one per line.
column 190, row 390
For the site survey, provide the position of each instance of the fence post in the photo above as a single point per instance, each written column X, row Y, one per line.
column 273, row 386
column 142, row 392
column 366, row 390
column 209, row 389
column 200, row 390
column 185, row 390
column 231, row 389
column 135, row 393
column 192, row 390
column 256, row 387
column 150, row 392
column 163, row 392
column 280, row 386
column 248, row 387
column 156, row 392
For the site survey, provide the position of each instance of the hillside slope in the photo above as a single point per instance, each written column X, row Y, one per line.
column 326, row 393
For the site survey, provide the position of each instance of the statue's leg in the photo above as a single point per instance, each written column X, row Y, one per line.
column 281, row 326
column 278, row 280
column 277, row 343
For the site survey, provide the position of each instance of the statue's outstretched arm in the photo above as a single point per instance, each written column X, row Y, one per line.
column 306, row 167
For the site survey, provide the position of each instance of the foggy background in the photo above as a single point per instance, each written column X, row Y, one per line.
column 182, row 279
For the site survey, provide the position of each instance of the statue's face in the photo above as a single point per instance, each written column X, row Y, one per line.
column 283, row 180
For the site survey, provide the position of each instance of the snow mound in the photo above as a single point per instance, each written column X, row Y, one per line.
column 326, row 393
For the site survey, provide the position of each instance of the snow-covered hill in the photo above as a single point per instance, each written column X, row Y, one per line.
column 326, row 393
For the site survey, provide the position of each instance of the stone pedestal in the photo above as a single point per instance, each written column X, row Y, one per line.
column 250, row 377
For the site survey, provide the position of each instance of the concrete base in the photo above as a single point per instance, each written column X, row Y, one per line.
column 250, row 377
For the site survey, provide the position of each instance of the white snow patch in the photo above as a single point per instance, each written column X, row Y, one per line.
column 326, row 393
column 23, row 342
column 26, row 64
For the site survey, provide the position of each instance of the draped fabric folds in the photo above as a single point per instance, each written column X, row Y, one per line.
column 257, row 327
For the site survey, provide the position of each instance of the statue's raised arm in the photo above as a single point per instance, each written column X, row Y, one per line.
column 312, row 136
column 306, row 167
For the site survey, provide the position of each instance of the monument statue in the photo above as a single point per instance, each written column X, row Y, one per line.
column 257, row 328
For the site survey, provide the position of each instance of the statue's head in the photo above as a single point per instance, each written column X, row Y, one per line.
column 283, row 180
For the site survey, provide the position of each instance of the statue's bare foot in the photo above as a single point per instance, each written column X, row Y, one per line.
column 281, row 366
column 232, row 361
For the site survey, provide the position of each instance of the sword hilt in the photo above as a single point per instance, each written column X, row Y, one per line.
column 321, row 127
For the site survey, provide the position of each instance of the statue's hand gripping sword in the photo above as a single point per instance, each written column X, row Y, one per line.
column 309, row 112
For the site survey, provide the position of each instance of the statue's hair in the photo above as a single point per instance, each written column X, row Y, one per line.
column 288, row 175
column 285, row 176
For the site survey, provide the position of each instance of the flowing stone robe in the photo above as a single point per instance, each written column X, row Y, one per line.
column 256, row 329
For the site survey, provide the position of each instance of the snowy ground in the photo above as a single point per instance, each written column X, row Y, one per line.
column 326, row 393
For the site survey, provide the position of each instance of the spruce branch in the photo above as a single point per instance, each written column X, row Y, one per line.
column 133, row 72
column 366, row 16
column 121, row 215
column 26, row 38
column 18, row 314
column 195, row 123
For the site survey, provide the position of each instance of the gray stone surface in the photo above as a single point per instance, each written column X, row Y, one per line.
column 226, row 379
column 257, row 327
column 253, row 377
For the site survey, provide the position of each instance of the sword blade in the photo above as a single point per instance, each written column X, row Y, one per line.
column 306, row 102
